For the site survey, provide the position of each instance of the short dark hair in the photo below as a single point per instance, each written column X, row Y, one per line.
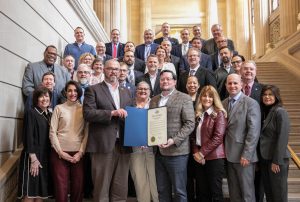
column 48, row 73
column 97, row 59
column 38, row 92
column 78, row 88
column 242, row 57
column 223, row 47
column 169, row 71
column 50, row 46
column 196, row 38
column 79, row 28
column 275, row 91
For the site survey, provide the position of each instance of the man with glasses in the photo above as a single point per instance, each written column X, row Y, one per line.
column 172, row 157
column 83, row 77
column 103, row 108
column 123, row 79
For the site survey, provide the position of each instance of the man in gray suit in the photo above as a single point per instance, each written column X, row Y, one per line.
column 243, row 131
column 103, row 108
column 34, row 72
column 172, row 157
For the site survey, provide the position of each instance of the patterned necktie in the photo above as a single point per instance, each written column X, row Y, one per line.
column 184, row 49
column 131, row 77
column 247, row 90
column 192, row 72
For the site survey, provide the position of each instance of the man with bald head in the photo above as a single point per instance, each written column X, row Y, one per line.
column 103, row 108
column 243, row 130
column 148, row 47
column 165, row 29
column 210, row 46
column 101, row 49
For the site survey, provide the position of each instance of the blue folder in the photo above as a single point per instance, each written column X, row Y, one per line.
column 136, row 127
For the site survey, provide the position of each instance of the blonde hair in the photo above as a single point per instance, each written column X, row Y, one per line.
column 217, row 104
column 82, row 56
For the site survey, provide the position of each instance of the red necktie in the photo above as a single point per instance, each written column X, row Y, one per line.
column 247, row 90
column 115, row 51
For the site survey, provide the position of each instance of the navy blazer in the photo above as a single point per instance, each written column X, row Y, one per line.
column 120, row 49
column 205, row 61
column 177, row 50
column 140, row 50
column 173, row 41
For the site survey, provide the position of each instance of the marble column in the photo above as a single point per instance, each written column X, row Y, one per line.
column 288, row 17
column 116, row 14
column 261, row 26
column 145, row 17
column 102, row 9
column 212, row 14
column 123, row 21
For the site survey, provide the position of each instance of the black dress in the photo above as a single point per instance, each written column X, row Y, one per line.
column 35, row 140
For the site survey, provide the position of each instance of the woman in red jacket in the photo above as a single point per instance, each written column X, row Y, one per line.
column 207, row 142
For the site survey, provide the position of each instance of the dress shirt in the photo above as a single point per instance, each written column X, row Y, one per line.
column 227, row 68
column 198, row 132
column 164, row 99
column 195, row 69
column 236, row 98
column 250, row 85
column 153, row 79
column 115, row 94
column 185, row 48
column 147, row 51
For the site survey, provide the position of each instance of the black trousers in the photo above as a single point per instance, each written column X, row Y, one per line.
column 209, row 180
column 275, row 184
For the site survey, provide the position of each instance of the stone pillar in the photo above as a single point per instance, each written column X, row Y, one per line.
column 102, row 9
column 116, row 14
column 261, row 15
column 145, row 17
column 123, row 21
column 212, row 14
column 288, row 17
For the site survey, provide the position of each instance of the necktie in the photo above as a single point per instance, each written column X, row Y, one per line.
column 192, row 72
column 184, row 49
column 131, row 77
column 147, row 52
column 231, row 103
column 247, row 90
column 115, row 51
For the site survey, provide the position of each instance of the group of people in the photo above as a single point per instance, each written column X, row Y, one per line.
column 221, row 122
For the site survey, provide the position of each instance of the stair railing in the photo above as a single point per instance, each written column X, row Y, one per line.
column 294, row 156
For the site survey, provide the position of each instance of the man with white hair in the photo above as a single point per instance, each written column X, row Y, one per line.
column 83, row 78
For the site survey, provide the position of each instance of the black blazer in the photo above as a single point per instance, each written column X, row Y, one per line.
column 205, row 77
column 156, row 90
column 109, row 50
column 205, row 61
column 256, row 91
column 173, row 41
column 139, row 65
column 210, row 46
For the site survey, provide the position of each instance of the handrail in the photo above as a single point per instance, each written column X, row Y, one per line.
column 294, row 156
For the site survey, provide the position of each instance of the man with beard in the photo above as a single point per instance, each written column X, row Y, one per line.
column 83, row 78
column 149, row 47
column 34, row 72
column 133, row 74
column 222, row 72
column 103, row 108
column 167, row 45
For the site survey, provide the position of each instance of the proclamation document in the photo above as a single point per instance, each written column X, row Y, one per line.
column 157, row 126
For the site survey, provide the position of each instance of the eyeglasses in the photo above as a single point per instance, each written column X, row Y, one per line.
column 113, row 69
column 123, row 70
column 83, row 72
column 142, row 89
column 221, row 41
column 236, row 62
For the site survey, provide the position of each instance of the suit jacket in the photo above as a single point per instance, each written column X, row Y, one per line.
column 120, row 49
column 105, row 58
column 221, row 76
column 139, row 64
column 156, row 90
column 205, row 61
column 33, row 76
column 140, row 50
column 103, row 128
column 176, row 62
column 177, row 50
column 180, row 123
column 274, row 136
column 256, row 91
column 243, row 129
column 210, row 46
column 173, row 41
column 205, row 77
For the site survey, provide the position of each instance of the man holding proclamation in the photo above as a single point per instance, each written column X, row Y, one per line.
column 172, row 157
column 103, row 108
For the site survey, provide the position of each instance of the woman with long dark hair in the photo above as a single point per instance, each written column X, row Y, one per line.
column 273, row 142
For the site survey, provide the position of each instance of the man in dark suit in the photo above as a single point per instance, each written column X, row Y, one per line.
column 100, row 50
column 172, row 157
column 115, row 48
column 34, row 72
column 103, row 108
column 167, row 45
column 133, row 73
column 204, row 76
column 123, row 82
column 222, row 72
column 182, row 49
column 210, row 46
column 253, row 89
column 242, row 136
column 139, row 65
column 165, row 29
column 205, row 60
column 152, row 76
column 197, row 32
column 215, row 57
column 149, row 47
